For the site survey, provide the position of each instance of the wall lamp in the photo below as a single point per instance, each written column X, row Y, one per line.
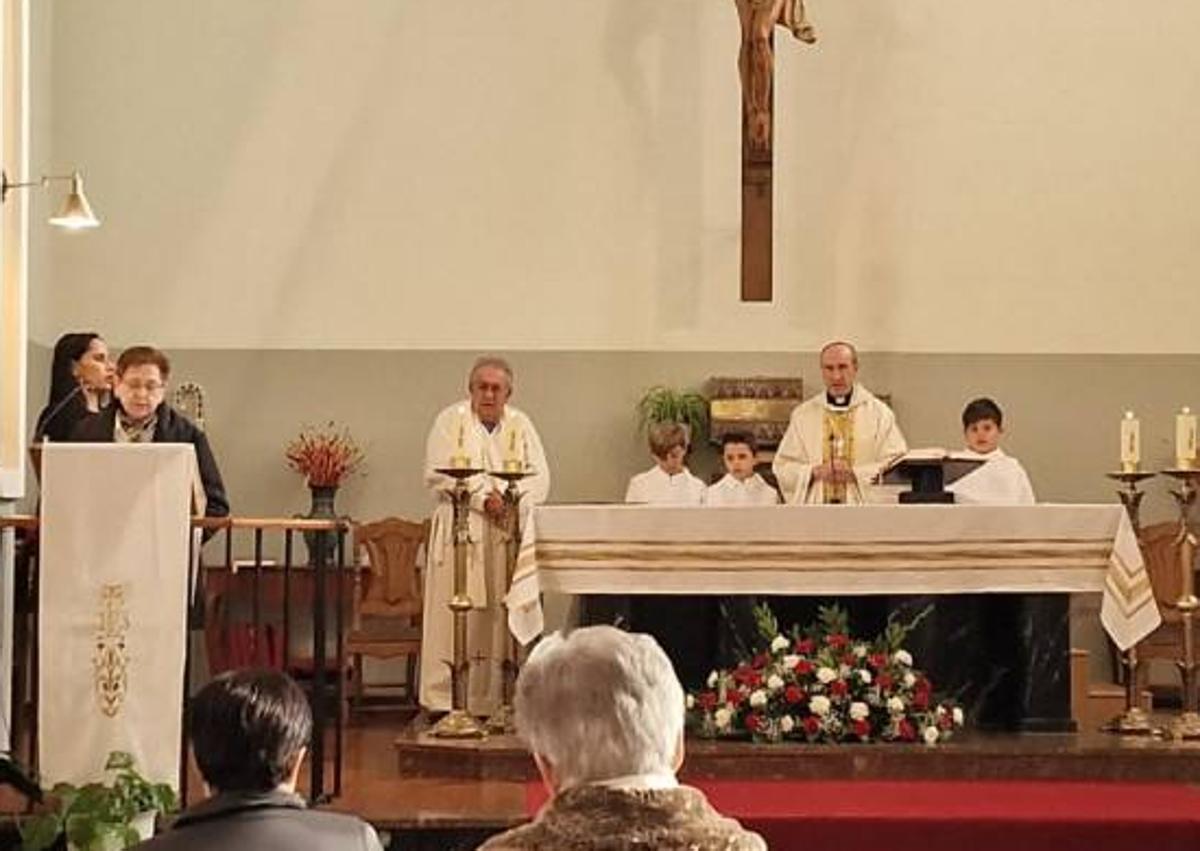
column 75, row 213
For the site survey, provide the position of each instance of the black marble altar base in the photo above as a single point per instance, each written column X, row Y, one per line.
column 1003, row 657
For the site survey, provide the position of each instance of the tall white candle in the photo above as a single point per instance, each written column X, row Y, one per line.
column 1185, row 438
column 1131, row 442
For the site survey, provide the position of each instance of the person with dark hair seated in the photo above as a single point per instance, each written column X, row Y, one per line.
column 140, row 415
column 81, row 378
column 249, row 733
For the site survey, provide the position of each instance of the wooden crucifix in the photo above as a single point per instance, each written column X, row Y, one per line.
column 756, row 65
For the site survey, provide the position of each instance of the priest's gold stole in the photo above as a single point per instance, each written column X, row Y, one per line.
column 837, row 442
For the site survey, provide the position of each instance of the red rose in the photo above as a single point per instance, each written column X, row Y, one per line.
column 734, row 698
column 945, row 720
column 907, row 731
column 878, row 660
column 707, row 700
column 861, row 728
column 885, row 682
column 812, row 725
column 848, row 658
column 794, row 694
column 760, row 661
column 804, row 646
column 920, row 700
column 754, row 723
column 838, row 688
column 837, row 641
column 803, row 667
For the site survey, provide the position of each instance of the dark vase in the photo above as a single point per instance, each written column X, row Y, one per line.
column 321, row 544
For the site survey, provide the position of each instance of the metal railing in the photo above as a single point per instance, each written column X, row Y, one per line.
column 266, row 571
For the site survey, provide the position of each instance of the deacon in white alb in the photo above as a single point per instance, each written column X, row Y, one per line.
column 668, row 482
column 1000, row 481
column 740, row 485
column 485, row 431
column 839, row 441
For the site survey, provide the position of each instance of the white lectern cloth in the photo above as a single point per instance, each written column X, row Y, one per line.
column 113, row 600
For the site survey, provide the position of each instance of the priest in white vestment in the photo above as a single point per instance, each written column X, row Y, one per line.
column 488, row 432
column 1000, row 480
column 839, row 441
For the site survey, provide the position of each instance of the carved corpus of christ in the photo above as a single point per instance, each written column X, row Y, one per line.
column 756, row 60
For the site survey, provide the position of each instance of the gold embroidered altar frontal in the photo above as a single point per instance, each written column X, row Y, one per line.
column 820, row 550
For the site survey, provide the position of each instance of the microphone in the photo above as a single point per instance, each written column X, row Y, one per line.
column 39, row 433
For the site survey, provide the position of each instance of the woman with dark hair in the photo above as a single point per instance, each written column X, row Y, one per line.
column 81, row 379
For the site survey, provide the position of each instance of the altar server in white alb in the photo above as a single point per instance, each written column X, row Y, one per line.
column 668, row 482
column 839, row 441
column 740, row 485
column 484, row 432
column 1001, row 480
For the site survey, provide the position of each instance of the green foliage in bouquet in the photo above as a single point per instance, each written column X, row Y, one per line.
column 98, row 816
column 821, row 685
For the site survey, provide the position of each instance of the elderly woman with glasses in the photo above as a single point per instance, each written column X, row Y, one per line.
column 140, row 415
column 602, row 712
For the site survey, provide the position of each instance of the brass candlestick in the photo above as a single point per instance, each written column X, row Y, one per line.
column 458, row 723
column 1187, row 725
column 1134, row 720
column 513, row 473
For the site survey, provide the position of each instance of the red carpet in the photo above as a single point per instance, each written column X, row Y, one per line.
column 956, row 815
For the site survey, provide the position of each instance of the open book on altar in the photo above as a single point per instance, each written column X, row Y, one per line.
column 929, row 471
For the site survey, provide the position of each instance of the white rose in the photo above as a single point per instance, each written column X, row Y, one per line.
column 859, row 711
column 902, row 657
column 865, row 676
column 909, row 680
column 786, row 724
column 843, row 670
column 722, row 717
column 690, row 702
column 931, row 735
column 758, row 698
column 826, row 675
column 712, row 680
column 774, row 682
column 860, row 650
column 957, row 714
column 819, row 705
column 941, row 710
column 895, row 706
column 779, row 643
column 790, row 661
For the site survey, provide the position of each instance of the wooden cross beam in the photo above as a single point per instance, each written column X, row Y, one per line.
column 756, row 65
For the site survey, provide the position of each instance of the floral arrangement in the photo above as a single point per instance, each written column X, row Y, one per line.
column 325, row 456
column 821, row 685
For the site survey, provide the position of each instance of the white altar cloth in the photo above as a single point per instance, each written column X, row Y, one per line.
column 836, row 549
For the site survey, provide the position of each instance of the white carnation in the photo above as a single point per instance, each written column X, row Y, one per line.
column 758, row 698
column 895, row 706
column 909, row 680
column 843, row 670
column 902, row 657
column 865, row 676
column 957, row 714
column 826, row 675
column 690, row 702
column 712, row 679
column 931, row 735
column 779, row 643
column 774, row 682
column 790, row 661
column 819, row 705
column 786, row 724
column 859, row 711
column 722, row 717
column 860, row 650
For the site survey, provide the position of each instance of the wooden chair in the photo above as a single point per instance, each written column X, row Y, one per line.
column 1161, row 554
column 386, row 619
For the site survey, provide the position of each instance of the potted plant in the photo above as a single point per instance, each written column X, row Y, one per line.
column 100, row 816
column 326, row 456
column 663, row 405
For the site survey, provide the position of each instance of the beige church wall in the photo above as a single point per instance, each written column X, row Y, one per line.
column 374, row 174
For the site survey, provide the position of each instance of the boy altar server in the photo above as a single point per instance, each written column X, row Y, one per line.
column 740, row 485
column 1000, row 481
column 668, row 482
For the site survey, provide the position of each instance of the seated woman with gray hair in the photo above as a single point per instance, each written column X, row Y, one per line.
column 602, row 711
